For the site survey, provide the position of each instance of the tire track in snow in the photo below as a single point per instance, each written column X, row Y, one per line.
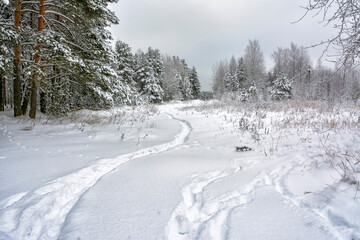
column 194, row 218
column 40, row 214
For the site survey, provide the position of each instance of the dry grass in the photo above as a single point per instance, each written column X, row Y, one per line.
column 319, row 116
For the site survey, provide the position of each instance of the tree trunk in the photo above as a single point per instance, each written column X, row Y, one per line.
column 4, row 91
column 33, row 100
column 17, row 61
column 42, row 102
column 26, row 99
column 2, row 97
column 25, row 102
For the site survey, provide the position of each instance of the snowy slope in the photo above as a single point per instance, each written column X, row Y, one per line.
column 174, row 174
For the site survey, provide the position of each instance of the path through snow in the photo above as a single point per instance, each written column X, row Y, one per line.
column 40, row 214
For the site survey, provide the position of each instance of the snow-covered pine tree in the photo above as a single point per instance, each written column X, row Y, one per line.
column 231, row 75
column 185, row 85
column 240, row 83
column 154, row 59
column 124, row 62
column 195, row 83
column 152, row 91
column 187, row 88
column 95, row 72
column 143, row 69
column 7, row 36
column 125, row 91
column 281, row 88
column 75, row 48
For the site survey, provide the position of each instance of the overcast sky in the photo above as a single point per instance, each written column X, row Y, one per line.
column 206, row 31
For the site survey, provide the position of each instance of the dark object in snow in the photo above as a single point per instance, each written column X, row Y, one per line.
column 242, row 149
column 28, row 128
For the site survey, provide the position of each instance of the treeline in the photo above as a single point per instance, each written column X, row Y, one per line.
column 56, row 56
column 293, row 76
column 153, row 77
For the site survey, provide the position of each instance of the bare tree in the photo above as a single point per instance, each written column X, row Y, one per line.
column 344, row 15
column 254, row 61
column 220, row 71
column 295, row 63
column 255, row 67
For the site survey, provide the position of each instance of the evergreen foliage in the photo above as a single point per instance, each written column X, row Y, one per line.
column 195, row 83
column 68, row 61
column 281, row 88
column 152, row 91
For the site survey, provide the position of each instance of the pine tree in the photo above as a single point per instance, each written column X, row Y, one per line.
column 7, row 37
column 124, row 62
column 143, row 70
column 187, row 88
column 231, row 75
column 73, row 48
column 152, row 90
column 154, row 58
column 281, row 88
column 195, row 83
column 240, row 83
column 124, row 89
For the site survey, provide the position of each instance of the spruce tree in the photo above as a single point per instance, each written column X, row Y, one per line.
column 281, row 88
column 240, row 83
column 124, row 89
column 124, row 62
column 152, row 91
column 195, row 83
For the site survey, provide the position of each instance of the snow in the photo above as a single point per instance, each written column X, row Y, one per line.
column 172, row 172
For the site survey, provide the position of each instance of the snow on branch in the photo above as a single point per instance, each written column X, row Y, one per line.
column 29, row 2
column 60, row 15
column 29, row 10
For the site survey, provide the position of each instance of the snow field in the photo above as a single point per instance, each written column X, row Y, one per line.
column 188, row 182
column 40, row 214
column 304, row 176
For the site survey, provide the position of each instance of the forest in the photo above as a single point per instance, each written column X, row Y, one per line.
column 57, row 56
column 292, row 77
column 99, row 140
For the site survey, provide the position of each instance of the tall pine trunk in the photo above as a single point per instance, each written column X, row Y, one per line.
column 2, row 97
column 26, row 99
column 27, row 90
column 17, row 61
column 34, row 87
column 4, row 91
column 42, row 101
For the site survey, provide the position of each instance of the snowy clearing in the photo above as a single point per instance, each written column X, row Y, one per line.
column 173, row 172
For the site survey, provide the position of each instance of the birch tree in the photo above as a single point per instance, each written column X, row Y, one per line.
column 344, row 16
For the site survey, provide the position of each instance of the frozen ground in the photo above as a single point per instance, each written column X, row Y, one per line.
column 173, row 173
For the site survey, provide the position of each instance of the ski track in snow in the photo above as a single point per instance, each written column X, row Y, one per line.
column 194, row 218
column 40, row 214
column 321, row 218
column 198, row 218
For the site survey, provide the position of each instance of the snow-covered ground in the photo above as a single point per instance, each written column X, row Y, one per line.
column 172, row 172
